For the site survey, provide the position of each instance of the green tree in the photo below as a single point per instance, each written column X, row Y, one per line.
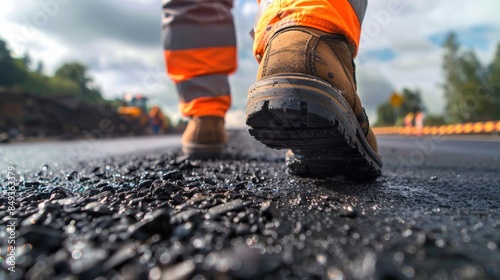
column 385, row 115
column 453, row 79
column 493, row 85
column 41, row 85
column 477, row 103
column 469, row 87
column 77, row 72
column 434, row 120
column 27, row 60
column 36, row 84
column 62, row 86
column 412, row 102
column 39, row 67
column 11, row 73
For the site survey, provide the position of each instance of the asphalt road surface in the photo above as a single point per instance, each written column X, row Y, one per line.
column 30, row 156
column 434, row 214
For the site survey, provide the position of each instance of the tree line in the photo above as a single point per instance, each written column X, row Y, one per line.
column 70, row 79
column 471, row 90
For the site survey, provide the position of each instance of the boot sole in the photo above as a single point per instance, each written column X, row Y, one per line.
column 310, row 117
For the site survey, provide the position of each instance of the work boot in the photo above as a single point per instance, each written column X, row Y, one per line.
column 305, row 100
column 204, row 137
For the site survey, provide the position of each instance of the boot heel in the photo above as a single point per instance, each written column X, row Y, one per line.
column 299, row 111
column 310, row 117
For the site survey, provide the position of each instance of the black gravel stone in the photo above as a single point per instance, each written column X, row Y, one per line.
column 218, row 210
column 145, row 184
column 192, row 215
column 348, row 211
column 44, row 238
column 123, row 255
column 269, row 210
column 171, row 175
column 183, row 270
column 152, row 223
column 161, row 187
column 184, row 230
column 96, row 208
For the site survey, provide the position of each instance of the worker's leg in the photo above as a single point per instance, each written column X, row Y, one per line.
column 305, row 96
column 341, row 17
column 200, row 51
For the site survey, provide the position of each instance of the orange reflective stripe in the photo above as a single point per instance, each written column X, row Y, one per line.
column 206, row 106
column 203, row 86
column 333, row 16
column 185, row 64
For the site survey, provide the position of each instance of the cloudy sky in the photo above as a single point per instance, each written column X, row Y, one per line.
column 120, row 42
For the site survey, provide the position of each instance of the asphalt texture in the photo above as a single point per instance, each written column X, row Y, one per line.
column 26, row 156
column 434, row 214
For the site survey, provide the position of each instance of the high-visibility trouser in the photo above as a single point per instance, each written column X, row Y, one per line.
column 200, row 52
column 341, row 17
column 200, row 44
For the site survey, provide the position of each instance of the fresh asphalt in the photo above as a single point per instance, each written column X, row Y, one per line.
column 434, row 214
column 409, row 151
column 33, row 155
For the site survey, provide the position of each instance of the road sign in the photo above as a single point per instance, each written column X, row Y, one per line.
column 396, row 100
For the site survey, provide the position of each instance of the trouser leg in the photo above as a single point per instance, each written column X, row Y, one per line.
column 200, row 51
column 341, row 17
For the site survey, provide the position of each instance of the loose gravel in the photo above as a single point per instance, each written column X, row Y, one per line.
column 159, row 216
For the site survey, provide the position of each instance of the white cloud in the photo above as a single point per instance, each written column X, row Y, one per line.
column 249, row 9
column 6, row 8
column 236, row 119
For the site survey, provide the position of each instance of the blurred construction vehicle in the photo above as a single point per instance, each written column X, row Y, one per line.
column 135, row 109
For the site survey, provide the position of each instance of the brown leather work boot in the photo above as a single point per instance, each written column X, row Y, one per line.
column 204, row 137
column 305, row 100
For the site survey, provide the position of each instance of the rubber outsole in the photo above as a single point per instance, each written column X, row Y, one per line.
column 312, row 119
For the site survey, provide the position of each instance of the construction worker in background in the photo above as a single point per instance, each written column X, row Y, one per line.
column 419, row 123
column 408, row 122
column 304, row 99
column 156, row 120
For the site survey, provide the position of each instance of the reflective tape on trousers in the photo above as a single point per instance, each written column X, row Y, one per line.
column 197, row 11
column 359, row 7
column 194, row 24
column 187, row 36
column 203, row 86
